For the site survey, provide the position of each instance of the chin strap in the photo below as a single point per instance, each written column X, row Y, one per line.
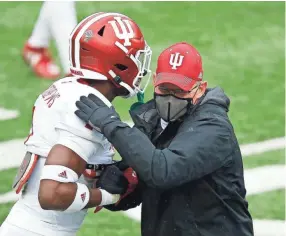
column 140, row 98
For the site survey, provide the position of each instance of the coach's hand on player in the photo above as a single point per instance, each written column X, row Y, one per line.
column 95, row 112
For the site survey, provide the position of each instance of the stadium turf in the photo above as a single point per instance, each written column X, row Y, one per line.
column 242, row 46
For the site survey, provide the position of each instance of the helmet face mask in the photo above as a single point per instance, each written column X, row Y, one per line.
column 143, row 59
column 111, row 46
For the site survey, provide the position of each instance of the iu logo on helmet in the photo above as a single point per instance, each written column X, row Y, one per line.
column 126, row 32
column 176, row 60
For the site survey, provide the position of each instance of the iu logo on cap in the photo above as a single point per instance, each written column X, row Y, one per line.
column 176, row 60
column 126, row 32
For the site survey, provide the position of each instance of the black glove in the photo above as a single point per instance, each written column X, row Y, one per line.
column 121, row 165
column 112, row 180
column 94, row 111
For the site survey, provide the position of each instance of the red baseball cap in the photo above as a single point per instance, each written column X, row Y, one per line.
column 180, row 65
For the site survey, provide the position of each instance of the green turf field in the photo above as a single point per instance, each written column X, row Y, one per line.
column 242, row 45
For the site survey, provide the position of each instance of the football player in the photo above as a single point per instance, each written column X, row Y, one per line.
column 56, row 20
column 109, row 57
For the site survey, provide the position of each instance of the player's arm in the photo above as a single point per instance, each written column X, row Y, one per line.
column 59, row 188
column 65, row 164
column 76, row 145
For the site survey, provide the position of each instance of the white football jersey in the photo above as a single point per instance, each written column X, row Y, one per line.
column 54, row 122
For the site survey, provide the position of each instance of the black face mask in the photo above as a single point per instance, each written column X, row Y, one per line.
column 171, row 108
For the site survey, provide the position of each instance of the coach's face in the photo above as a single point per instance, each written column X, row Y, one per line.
column 172, row 102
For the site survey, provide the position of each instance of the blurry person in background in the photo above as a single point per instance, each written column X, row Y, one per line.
column 184, row 151
column 56, row 20
column 58, row 178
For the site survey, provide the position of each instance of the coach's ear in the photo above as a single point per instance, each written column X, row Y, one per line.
column 200, row 92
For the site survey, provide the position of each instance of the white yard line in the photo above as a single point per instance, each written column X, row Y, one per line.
column 269, row 228
column 8, row 197
column 6, row 114
column 261, row 147
column 264, row 179
column 11, row 153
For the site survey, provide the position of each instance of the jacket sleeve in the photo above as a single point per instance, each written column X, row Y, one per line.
column 134, row 199
column 197, row 150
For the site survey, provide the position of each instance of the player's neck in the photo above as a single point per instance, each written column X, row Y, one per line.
column 106, row 89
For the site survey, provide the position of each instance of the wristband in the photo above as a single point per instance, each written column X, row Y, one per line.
column 108, row 198
column 81, row 199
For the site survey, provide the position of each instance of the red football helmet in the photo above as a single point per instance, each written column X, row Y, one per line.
column 110, row 46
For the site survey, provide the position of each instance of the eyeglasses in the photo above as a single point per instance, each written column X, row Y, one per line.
column 161, row 90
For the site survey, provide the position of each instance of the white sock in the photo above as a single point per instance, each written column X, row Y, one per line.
column 56, row 19
column 41, row 36
column 61, row 24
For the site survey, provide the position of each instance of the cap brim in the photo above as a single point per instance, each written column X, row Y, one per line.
column 178, row 80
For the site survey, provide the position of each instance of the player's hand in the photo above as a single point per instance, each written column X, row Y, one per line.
column 132, row 179
column 113, row 180
column 130, row 175
column 95, row 112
